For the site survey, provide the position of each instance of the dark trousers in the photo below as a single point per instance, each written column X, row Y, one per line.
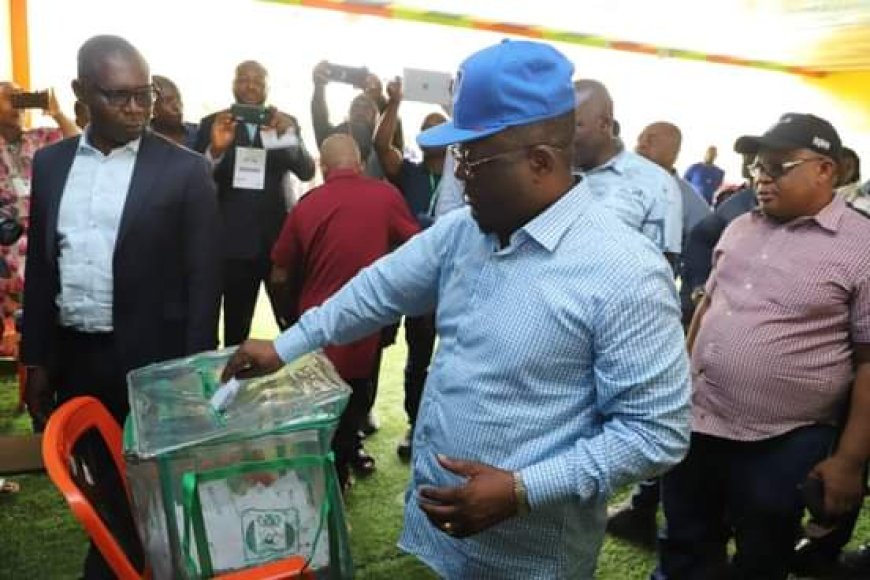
column 87, row 365
column 388, row 338
column 745, row 489
column 420, row 338
column 241, row 286
column 347, row 440
column 645, row 496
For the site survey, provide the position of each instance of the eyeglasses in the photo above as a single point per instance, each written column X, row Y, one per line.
column 465, row 169
column 143, row 97
column 777, row 170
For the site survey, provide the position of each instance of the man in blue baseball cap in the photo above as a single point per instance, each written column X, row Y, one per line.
column 560, row 373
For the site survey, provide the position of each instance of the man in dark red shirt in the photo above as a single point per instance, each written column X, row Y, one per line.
column 335, row 231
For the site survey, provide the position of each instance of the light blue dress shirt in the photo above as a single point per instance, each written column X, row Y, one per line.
column 560, row 356
column 450, row 193
column 88, row 220
column 643, row 195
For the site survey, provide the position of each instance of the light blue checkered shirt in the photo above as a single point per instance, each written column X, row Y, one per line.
column 560, row 356
column 643, row 195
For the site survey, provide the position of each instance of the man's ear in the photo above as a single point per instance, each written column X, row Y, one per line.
column 830, row 172
column 78, row 90
column 542, row 159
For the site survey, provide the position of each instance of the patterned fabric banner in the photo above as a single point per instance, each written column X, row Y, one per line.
column 395, row 11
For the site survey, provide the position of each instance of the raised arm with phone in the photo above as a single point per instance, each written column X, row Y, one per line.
column 362, row 115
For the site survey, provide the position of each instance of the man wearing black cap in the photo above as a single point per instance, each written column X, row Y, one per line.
column 560, row 373
column 780, row 348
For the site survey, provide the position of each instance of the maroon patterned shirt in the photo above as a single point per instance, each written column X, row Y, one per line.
column 787, row 303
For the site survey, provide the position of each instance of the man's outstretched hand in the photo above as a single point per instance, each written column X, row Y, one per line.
column 254, row 358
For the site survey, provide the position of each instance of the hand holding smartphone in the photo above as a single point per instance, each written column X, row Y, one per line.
column 254, row 114
column 350, row 75
column 30, row 100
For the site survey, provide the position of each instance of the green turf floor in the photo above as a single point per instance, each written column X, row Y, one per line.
column 39, row 538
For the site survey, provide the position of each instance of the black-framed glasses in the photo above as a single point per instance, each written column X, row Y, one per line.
column 144, row 97
column 775, row 170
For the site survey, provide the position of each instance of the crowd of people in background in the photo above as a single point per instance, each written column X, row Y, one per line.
column 600, row 319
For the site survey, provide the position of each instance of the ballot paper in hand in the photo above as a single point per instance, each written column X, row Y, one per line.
column 271, row 139
column 226, row 393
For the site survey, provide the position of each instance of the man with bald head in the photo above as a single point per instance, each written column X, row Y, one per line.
column 335, row 231
column 639, row 192
column 660, row 143
column 250, row 161
column 121, row 266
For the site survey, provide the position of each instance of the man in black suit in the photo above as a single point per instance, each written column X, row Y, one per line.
column 122, row 268
column 250, row 161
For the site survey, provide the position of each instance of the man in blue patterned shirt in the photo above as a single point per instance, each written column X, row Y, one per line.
column 560, row 373
column 639, row 192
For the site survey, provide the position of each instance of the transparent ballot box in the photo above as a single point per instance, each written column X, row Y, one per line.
column 229, row 477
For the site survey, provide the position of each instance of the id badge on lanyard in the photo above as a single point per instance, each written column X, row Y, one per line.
column 250, row 168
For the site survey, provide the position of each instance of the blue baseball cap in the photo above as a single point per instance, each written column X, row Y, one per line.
column 515, row 82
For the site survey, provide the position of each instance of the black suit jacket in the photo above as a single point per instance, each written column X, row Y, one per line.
column 252, row 219
column 166, row 270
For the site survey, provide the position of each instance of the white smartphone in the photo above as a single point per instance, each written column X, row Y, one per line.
column 427, row 86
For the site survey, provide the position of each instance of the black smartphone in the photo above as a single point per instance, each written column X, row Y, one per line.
column 350, row 75
column 255, row 114
column 26, row 100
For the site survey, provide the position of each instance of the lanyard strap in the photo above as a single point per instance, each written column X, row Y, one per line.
column 433, row 193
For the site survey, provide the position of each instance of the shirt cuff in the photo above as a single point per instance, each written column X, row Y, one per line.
column 291, row 344
column 552, row 481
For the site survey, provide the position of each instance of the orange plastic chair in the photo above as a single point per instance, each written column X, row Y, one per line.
column 65, row 428
column 291, row 567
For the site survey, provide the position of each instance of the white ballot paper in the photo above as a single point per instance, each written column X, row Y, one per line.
column 271, row 140
column 226, row 393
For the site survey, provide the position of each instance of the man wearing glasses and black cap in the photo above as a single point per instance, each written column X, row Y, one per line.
column 560, row 373
column 780, row 349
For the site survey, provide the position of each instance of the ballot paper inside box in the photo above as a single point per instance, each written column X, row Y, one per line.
column 248, row 482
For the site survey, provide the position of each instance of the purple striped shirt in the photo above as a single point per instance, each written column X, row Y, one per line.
column 787, row 302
